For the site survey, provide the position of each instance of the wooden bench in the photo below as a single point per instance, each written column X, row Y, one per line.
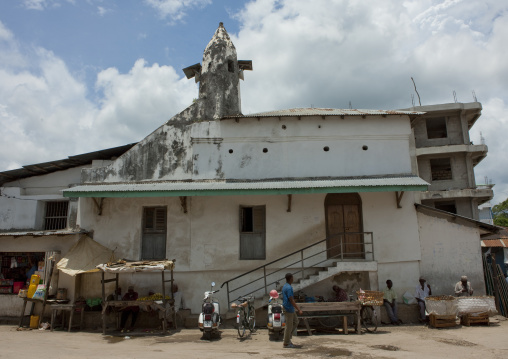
column 331, row 310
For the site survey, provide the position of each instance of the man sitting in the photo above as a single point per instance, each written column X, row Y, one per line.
column 390, row 303
column 131, row 295
column 340, row 294
column 463, row 288
column 422, row 291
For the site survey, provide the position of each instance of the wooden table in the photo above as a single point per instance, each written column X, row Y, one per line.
column 120, row 304
column 71, row 308
column 331, row 309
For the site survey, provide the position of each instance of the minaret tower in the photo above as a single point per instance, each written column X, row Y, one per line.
column 218, row 77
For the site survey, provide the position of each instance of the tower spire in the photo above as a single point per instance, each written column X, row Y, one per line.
column 219, row 75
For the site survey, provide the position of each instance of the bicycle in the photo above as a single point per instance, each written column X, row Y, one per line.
column 245, row 315
column 368, row 314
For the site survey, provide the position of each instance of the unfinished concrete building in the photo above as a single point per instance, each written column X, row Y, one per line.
column 446, row 157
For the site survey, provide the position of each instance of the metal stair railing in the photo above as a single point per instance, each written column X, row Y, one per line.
column 304, row 263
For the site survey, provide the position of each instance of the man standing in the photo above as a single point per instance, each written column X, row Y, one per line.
column 289, row 304
column 390, row 302
column 422, row 291
column 463, row 288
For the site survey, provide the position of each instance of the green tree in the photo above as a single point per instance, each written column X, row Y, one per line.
column 500, row 213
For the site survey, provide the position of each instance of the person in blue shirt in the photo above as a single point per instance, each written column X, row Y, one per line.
column 289, row 304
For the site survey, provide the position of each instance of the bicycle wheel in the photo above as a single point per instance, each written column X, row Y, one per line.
column 369, row 319
column 329, row 322
column 240, row 322
column 252, row 318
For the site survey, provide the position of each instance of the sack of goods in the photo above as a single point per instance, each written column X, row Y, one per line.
column 40, row 292
column 441, row 305
column 480, row 304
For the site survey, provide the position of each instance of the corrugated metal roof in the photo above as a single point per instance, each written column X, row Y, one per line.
column 241, row 185
column 495, row 243
column 59, row 165
column 295, row 112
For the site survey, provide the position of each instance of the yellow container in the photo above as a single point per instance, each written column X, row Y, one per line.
column 34, row 322
column 35, row 279
column 31, row 290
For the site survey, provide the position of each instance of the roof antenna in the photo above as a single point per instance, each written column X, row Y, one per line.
column 413, row 100
column 454, row 96
column 474, row 97
column 350, row 106
column 419, row 101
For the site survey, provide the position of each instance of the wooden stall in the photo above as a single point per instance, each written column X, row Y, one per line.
column 331, row 309
column 164, row 306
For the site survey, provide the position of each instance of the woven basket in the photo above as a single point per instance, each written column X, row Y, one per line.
column 441, row 305
column 469, row 305
column 370, row 297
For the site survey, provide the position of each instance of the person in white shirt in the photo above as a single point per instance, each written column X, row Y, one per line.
column 422, row 291
column 178, row 296
column 463, row 288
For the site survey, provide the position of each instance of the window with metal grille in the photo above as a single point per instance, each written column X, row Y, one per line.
column 153, row 243
column 56, row 215
column 252, row 232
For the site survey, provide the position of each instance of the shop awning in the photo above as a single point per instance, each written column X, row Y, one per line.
column 243, row 187
column 123, row 266
column 84, row 257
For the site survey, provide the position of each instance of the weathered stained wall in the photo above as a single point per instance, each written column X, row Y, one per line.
column 205, row 241
column 22, row 205
column 449, row 250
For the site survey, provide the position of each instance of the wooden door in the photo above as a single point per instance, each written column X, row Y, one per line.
column 344, row 226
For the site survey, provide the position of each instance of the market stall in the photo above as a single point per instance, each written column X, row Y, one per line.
column 164, row 306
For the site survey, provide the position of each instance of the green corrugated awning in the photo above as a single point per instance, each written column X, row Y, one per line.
column 240, row 187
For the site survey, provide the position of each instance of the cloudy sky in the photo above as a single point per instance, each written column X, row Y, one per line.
column 83, row 75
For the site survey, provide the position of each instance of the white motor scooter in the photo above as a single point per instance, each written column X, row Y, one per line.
column 276, row 320
column 209, row 318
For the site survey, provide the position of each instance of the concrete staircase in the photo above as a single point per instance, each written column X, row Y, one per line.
column 317, row 274
column 333, row 269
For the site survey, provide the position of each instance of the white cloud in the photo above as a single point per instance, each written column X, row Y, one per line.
column 46, row 115
column 102, row 10
column 366, row 52
column 303, row 53
column 5, row 33
column 175, row 9
column 35, row 4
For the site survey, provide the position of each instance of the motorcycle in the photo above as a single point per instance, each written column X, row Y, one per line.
column 209, row 318
column 276, row 319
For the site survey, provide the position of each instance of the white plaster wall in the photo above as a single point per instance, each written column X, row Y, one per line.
column 298, row 150
column 21, row 209
column 404, row 276
column 205, row 241
column 450, row 250
column 396, row 237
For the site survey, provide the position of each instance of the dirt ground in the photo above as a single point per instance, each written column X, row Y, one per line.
column 406, row 341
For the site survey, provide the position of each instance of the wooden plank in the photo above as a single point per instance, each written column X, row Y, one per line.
column 329, row 306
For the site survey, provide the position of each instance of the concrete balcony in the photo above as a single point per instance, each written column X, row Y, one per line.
column 478, row 152
column 483, row 194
